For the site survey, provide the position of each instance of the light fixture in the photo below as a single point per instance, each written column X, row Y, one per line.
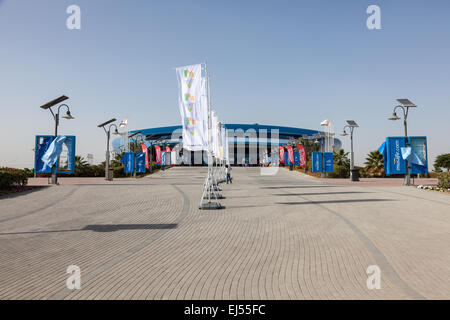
column 68, row 116
column 344, row 133
column 394, row 116
column 116, row 131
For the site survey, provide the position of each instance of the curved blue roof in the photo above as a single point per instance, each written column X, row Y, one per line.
column 290, row 131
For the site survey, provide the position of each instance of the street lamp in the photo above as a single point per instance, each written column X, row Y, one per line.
column 68, row 116
column 405, row 104
column 354, row 174
column 108, row 135
column 134, row 156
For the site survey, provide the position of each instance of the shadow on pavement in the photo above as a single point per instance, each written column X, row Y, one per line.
column 295, row 187
column 116, row 227
column 104, row 228
column 334, row 201
column 317, row 193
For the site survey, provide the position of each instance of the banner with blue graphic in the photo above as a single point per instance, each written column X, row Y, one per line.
column 128, row 162
column 49, row 151
column 316, row 162
column 140, row 162
column 328, row 161
column 296, row 159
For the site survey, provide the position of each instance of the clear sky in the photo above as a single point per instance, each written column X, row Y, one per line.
column 290, row 63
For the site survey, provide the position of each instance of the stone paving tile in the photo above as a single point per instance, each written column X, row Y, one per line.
column 287, row 236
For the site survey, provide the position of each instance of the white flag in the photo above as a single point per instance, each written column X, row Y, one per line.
column 193, row 107
column 124, row 123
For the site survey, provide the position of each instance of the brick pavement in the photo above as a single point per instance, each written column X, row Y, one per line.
column 287, row 236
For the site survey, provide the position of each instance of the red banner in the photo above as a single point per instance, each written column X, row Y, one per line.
column 145, row 150
column 290, row 154
column 302, row 155
column 281, row 155
column 158, row 154
column 167, row 149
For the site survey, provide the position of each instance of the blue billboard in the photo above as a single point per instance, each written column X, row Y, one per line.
column 49, row 151
column 395, row 155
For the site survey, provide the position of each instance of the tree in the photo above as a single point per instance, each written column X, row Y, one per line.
column 80, row 162
column 341, row 159
column 442, row 161
column 374, row 164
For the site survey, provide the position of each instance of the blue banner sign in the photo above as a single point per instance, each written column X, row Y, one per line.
column 322, row 162
column 316, row 162
column 286, row 159
column 296, row 159
column 140, row 162
column 328, row 161
column 395, row 163
column 128, row 162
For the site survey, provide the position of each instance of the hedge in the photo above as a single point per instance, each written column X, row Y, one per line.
column 10, row 178
column 444, row 180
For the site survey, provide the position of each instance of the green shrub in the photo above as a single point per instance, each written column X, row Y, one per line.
column 444, row 180
column 10, row 178
column 339, row 172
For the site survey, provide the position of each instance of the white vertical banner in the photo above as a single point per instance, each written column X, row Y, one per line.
column 214, row 145
column 226, row 147
column 193, row 107
column 223, row 142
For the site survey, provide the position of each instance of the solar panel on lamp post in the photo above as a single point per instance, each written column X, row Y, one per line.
column 351, row 124
column 108, row 135
column 405, row 104
column 68, row 116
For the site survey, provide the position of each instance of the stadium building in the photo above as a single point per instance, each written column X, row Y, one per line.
column 248, row 143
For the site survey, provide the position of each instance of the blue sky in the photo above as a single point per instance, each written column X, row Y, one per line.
column 290, row 63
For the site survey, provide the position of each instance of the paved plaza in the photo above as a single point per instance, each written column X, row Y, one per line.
column 287, row 236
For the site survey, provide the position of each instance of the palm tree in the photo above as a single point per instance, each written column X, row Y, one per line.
column 375, row 164
column 80, row 162
column 341, row 159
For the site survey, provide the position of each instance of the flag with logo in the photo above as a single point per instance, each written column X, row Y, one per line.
column 158, row 154
column 145, row 151
column 302, row 155
column 290, row 154
column 193, row 107
column 281, row 150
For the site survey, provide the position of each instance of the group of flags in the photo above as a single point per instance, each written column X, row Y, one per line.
column 290, row 151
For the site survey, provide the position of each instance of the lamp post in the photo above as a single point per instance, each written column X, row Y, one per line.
column 68, row 116
column 405, row 104
column 354, row 174
column 108, row 135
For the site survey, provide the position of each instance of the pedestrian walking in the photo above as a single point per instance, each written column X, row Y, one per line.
column 228, row 174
